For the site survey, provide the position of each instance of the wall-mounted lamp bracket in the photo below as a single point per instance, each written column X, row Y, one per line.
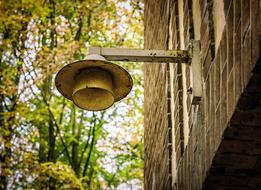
column 138, row 55
column 95, row 83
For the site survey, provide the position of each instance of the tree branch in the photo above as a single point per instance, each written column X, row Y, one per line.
column 58, row 131
column 89, row 136
column 91, row 148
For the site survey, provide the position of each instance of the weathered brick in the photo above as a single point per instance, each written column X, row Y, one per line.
column 208, row 149
column 256, row 31
column 223, row 48
column 231, row 160
column 246, row 58
column 176, row 120
column 227, row 4
column 240, row 147
column 195, row 172
column 254, row 84
column 187, row 74
column 185, row 169
column 203, row 7
column 189, row 170
column 217, row 79
column 245, row 11
column 254, row 182
column 250, row 118
column 186, row 23
column 237, row 12
column 212, row 102
column 202, row 151
column 207, row 107
column 177, row 138
column 212, row 143
column 230, row 32
column 207, row 64
column 231, row 95
column 245, row 103
column 190, row 120
column 237, row 63
column 223, row 103
column 179, row 153
column 205, row 34
column 218, row 126
column 224, row 181
column 240, row 132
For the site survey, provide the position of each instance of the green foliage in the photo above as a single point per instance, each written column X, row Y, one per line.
column 45, row 141
column 57, row 174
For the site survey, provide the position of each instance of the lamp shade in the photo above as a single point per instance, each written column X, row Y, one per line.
column 94, row 83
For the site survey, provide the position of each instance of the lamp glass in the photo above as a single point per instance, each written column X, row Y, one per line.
column 93, row 99
column 93, row 89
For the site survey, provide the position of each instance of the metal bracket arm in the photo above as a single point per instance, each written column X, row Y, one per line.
column 137, row 55
column 197, row 88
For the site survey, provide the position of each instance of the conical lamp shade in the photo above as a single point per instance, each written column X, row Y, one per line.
column 94, row 83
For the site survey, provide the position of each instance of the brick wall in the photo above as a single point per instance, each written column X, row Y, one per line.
column 182, row 138
column 156, row 120
column 237, row 162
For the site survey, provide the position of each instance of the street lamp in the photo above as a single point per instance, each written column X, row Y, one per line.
column 95, row 83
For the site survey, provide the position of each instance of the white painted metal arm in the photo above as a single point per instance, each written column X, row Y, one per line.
column 137, row 55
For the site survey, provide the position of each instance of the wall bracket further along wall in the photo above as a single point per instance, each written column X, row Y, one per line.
column 197, row 87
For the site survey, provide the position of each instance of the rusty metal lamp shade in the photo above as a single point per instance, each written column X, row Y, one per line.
column 93, row 84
